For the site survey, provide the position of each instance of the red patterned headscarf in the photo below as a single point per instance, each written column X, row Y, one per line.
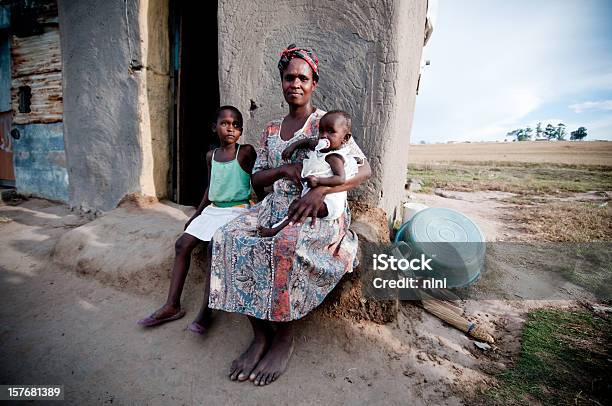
column 291, row 52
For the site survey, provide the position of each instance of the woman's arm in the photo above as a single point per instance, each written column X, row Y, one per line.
column 309, row 204
column 363, row 173
column 267, row 177
column 308, row 143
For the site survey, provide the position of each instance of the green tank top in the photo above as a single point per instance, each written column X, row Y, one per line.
column 230, row 185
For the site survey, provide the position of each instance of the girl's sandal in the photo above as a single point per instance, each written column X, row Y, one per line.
column 196, row 328
column 152, row 321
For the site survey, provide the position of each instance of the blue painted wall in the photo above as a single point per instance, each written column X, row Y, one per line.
column 40, row 161
column 5, row 17
column 5, row 71
column 5, row 59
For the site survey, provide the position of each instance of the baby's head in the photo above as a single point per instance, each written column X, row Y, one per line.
column 336, row 127
column 227, row 124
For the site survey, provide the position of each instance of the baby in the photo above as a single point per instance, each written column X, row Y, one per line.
column 328, row 164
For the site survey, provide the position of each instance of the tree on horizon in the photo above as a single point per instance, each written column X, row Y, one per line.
column 579, row 134
column 560, row 132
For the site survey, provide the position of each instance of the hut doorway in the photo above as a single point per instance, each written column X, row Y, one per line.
column 195, row 87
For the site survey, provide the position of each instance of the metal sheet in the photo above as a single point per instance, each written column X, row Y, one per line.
column 40, row 161
column 36, row 54
column 36, row 62
column 46, row 103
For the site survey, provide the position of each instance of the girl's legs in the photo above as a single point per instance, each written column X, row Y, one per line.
column 242, row 366
column 183, row 248
column 274, row 363
column 203, row 317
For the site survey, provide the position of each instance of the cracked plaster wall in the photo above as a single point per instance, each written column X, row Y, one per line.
column 369, row 54
column 116, row 99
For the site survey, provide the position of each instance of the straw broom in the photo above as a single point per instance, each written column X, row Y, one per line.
column 450, row 306
column 450, row 313
column 450, row 316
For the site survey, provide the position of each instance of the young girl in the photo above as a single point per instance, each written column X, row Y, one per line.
column 226, row 197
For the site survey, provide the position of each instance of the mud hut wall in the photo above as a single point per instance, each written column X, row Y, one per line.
column 369, row 55
column 39, row 152
column 409, row 36
column 100, row 47
column 115, row 118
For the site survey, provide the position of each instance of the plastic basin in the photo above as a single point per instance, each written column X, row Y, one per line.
column 453, row 242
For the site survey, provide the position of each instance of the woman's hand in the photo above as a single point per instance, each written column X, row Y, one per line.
column 309, row 204
column 306, row 206
column 286, row 155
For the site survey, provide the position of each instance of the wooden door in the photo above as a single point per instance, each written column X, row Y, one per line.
column 7, row 174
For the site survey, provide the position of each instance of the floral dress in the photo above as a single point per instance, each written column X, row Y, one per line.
column 284, row 277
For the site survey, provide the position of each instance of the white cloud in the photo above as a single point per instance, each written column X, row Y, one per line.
column 523, row 101
column 592, row 105
column 586, row 80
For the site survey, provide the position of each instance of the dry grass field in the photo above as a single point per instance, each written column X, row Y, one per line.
column 542, row 192
column 563, row 152
column 553, row 183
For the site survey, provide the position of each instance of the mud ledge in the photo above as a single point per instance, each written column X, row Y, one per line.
column 131, row 248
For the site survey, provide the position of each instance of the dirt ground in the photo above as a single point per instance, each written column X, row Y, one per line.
column 68, row 319
column 64, row 327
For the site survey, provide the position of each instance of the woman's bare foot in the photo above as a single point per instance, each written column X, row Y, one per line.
column 243, row 365
column 274, row 363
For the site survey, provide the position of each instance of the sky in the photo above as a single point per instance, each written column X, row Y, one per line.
column 496, row 66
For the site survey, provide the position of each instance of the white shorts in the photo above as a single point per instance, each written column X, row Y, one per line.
column 211, row 219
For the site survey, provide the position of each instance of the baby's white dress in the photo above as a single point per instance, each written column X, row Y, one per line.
column 316, row 165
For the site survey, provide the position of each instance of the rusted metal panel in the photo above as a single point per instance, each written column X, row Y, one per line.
column 46, row 103
column 36, row 54
column 36, row 62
